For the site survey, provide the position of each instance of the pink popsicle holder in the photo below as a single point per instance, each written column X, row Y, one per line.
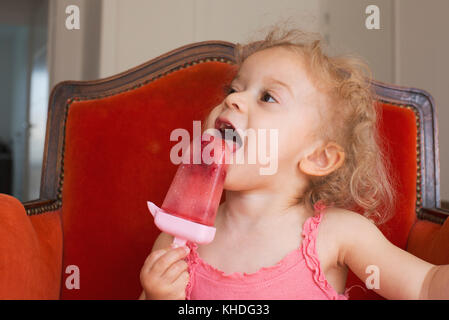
column 182, row 229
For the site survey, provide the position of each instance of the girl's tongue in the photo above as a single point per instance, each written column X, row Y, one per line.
column 229, row 134
column 232, row 138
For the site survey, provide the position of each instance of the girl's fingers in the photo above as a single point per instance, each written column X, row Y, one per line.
column 166, row 260
column 152, row 258
column 175, row 270
column 180, row 284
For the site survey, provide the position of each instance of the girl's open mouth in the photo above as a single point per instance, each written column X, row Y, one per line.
column 228, row 133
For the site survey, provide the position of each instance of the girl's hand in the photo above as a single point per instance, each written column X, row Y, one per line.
column 164, row 274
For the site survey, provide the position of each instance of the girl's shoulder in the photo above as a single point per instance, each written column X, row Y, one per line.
column 341, row 227
column 342, row 220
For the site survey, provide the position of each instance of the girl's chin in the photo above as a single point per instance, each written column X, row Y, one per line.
column 230, row 185
column 236, row 181
column 234, row 189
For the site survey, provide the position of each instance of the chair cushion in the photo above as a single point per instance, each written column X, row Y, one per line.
column 30, row 252
column 430, row 241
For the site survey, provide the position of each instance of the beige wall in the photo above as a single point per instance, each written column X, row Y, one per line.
column 135, row 31
column 344, row 26
column 423, row 62
column 73, row 54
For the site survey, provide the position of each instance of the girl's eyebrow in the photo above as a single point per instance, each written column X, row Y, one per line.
column 270, row 79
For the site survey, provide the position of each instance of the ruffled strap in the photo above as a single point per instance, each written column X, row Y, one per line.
column 192, row 262
column 310, row 231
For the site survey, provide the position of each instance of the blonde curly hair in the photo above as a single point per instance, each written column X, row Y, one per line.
column 363, row 180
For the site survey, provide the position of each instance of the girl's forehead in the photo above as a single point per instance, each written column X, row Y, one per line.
column 279, row 64
column 277, row 54
column 273, row 62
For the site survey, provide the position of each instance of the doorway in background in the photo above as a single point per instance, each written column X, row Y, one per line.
column 24, row 91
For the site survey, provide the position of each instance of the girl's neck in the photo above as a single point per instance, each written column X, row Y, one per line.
column 259, row 210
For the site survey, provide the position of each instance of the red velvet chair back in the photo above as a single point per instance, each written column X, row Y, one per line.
column 107, row 153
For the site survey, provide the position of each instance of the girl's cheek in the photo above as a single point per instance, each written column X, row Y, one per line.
column 239, row 178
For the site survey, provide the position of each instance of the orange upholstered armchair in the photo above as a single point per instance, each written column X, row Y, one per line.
column 107, row 153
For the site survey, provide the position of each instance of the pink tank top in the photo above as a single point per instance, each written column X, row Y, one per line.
column 298, row 276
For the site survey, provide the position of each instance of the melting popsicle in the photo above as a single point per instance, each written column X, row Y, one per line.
column 190, row 206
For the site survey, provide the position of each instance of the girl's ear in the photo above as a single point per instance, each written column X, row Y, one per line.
column 323, row 160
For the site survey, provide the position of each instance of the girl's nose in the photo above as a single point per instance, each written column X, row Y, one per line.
column 235, row 101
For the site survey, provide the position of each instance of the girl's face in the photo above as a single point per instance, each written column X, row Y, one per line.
column 271, row 91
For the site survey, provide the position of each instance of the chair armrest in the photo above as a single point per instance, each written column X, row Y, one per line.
column 429, row 240
column 437, row 215
column 26, row 266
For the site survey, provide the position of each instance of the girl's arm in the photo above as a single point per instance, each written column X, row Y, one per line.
column 388, row 270
column 436, row 285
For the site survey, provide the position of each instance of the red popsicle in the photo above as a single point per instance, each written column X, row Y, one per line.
column 190, row 206
column 196, row 189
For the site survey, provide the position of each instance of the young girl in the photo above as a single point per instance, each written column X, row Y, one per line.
column 292, row 235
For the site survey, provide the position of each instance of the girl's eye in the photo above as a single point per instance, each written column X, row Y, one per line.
column 266, row 97
column 228, row 90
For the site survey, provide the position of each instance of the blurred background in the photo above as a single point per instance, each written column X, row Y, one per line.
column 37, row 50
